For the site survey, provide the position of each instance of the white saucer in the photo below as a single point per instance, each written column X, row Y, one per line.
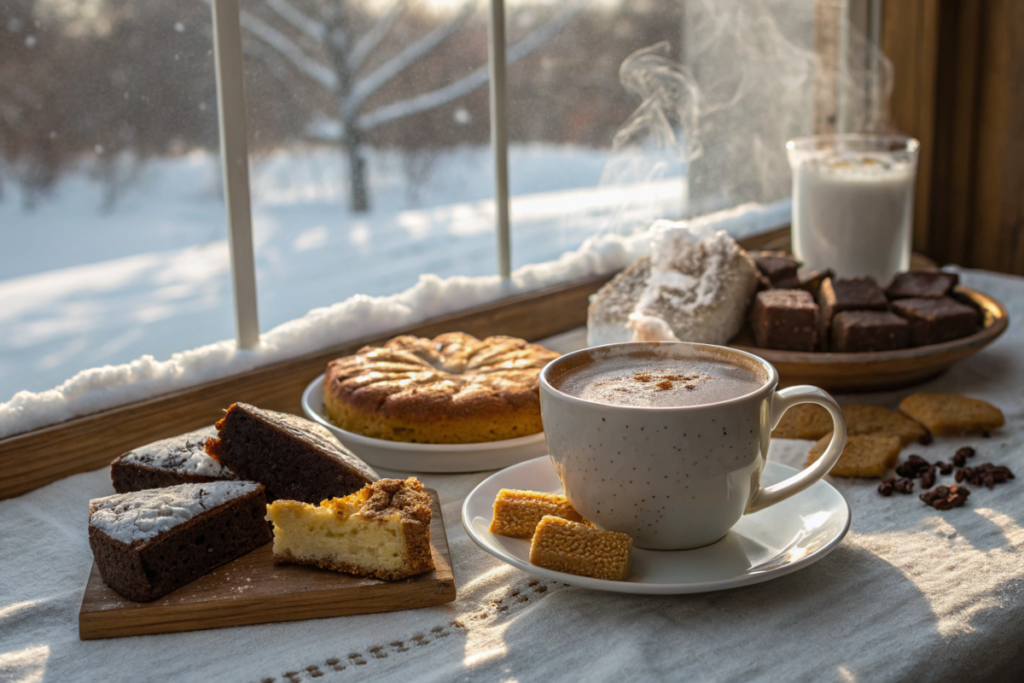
column 765, row 545
column 425, row 457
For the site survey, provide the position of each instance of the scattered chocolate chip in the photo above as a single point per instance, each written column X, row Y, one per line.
column 903, row 485
column 928, row 478
column 960, row 459
column 986, row 434
column 913, row 467
column 885, row 487
column 944, row 468
column 945, row 497
column 985, row 474
column 925, row 439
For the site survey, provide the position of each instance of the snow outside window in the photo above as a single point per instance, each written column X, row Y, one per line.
column 111, row 209
column 371, row 160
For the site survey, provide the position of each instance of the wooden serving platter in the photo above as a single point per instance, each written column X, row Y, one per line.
column 252, row 590
column 882, row 370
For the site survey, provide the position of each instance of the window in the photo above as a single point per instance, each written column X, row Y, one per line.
column 371, row 159
column 111, row 213
column 585, row 156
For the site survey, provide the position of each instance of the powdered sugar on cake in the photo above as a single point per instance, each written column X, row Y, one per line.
column 182, row 453
column 137, row 517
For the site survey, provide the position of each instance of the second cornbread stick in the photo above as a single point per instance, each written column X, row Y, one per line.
column 517, row 513
column 575, row 548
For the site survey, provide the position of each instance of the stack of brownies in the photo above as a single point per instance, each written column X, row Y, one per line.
column 851, row 315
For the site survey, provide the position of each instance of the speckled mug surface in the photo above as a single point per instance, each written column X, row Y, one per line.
column 679, row 477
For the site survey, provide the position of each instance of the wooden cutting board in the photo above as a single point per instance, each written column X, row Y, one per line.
column 252, row 590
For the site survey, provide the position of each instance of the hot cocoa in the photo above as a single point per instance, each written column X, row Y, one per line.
column 658, row 382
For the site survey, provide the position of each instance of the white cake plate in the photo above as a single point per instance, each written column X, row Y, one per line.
column 425, row 457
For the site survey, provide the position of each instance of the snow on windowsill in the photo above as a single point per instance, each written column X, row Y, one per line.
column 97, row 389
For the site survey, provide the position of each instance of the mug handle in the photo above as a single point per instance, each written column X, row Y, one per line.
column 783, row 400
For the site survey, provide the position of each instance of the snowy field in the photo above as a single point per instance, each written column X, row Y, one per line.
column 81, row 288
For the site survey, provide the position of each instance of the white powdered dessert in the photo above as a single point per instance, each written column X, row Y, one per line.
column 184, row 453
column 694, row 287
column 136, row 517
column 148, row 543
column 852, row 212
column 180, row 459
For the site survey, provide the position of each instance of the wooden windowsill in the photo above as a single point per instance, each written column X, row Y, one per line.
column 36, row 458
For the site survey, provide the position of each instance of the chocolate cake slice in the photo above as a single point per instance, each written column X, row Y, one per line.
column 147, row 543
column 180, row 459
column 296, row 459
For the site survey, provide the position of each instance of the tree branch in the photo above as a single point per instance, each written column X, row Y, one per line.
column 406, row 58
column 466, row 84
column 294, row 16
column 287, row 48
column 369, row 41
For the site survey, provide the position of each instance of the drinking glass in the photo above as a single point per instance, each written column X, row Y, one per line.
column 853, row 203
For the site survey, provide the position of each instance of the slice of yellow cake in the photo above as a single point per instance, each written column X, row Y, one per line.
column 381, row 531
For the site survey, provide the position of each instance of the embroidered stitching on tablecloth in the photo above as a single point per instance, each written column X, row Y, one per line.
column 515, row 597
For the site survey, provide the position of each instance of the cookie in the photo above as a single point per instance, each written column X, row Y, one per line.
column 950, row 414
column 865, row 455
column 803, row 421
column 863, row 418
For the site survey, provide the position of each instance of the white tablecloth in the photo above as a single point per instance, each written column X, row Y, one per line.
column 910, row 594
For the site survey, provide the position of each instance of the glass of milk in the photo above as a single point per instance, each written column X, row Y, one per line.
column 853, row 203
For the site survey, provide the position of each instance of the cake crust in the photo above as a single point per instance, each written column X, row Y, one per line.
column 453, row 388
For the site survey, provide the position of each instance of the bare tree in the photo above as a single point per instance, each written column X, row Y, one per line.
column 318, row 41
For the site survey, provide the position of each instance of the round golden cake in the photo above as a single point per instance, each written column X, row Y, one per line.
column 453, row 388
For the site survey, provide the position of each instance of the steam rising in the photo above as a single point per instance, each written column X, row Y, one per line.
column 754, row 74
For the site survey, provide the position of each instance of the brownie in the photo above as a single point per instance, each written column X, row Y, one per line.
column 933, row 321
column 922, row 284
column 294, row 458
column 785, row 319
column 851, row 294
column 963, row 298
column 860, row 331
column 180, row 459
column 779, row 267
column 147, row 543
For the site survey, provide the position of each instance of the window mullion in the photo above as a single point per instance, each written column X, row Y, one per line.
column 234, row 150
column 499, row 133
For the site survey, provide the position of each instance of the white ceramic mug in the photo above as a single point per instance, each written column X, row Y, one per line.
column 674, row 478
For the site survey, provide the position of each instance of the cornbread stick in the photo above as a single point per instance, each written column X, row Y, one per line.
column 865, row 455
column 950, row 414
column 575, row 548
column 517, row 513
